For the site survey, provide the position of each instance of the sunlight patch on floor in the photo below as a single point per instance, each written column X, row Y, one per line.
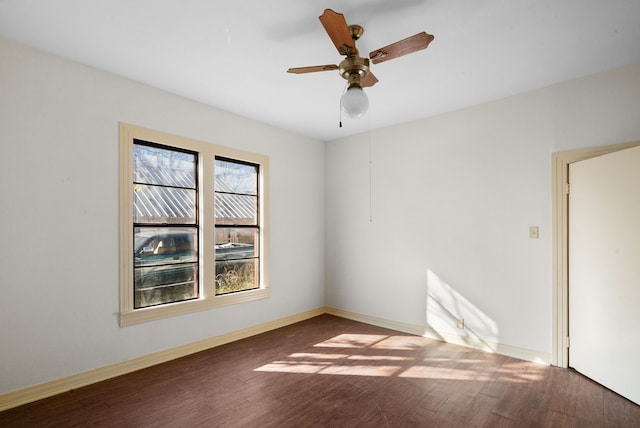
column 352, row 341
column 362, row 355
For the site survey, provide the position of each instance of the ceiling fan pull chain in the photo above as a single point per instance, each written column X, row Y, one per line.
column 346, row 86
column 370, row 174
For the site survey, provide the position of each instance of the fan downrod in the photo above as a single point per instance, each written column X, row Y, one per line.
column 354, row 67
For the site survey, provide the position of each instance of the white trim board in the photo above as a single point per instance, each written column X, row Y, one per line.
column 57, row 386
column 47, row 389
column 418, row 330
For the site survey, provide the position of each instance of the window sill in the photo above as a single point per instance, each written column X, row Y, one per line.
column 138, row 316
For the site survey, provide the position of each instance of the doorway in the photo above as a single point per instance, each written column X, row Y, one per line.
column 560, row 171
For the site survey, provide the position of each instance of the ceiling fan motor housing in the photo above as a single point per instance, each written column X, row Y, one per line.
column 354, row 68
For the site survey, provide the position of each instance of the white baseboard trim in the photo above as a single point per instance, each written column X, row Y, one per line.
column 47, row 389
column 425, row 331
column 33, row 393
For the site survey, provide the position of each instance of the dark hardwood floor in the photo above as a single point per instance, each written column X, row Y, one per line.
column 333, row 372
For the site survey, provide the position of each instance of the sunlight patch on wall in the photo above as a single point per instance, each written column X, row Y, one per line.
column 449, row 314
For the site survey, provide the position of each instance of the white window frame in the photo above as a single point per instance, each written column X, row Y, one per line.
column 206, row 252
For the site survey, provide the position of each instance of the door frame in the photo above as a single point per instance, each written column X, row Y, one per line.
column 560, row 240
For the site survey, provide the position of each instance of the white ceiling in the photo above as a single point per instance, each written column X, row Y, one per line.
column 234, row 54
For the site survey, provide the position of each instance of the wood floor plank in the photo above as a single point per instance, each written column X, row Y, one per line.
column 329, row 371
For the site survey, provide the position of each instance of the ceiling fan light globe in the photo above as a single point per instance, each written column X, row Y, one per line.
column 355, row 102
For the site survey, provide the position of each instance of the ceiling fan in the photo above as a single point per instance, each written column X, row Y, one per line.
column 354, row 68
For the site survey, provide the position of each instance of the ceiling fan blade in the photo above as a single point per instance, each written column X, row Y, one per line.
column 369, row 80
column 338, row 30
column 403, row 47
column 312, row 69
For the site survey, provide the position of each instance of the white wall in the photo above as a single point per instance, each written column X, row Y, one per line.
column 452, row 198
column 59, row 217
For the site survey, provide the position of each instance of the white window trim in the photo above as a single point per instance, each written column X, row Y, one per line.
column 207, row 153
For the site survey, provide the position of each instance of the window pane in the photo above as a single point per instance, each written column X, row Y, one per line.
column 165, row 265
column 234, row 177
column 156, row 285
column 161, row 246
column 236, row 275
column 153, row 165
column 236, row 209
column 236, row 243
column 153, row 204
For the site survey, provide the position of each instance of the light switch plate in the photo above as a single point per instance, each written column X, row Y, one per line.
column 533, row 232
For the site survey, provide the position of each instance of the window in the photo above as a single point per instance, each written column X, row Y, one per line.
column 237, row 226
column 165, row 191
column 192, row 225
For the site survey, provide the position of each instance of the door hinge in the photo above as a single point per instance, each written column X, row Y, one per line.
column 568, row 342
column 566, row 188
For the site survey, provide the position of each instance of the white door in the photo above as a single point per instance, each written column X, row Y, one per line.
column 604, row 270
